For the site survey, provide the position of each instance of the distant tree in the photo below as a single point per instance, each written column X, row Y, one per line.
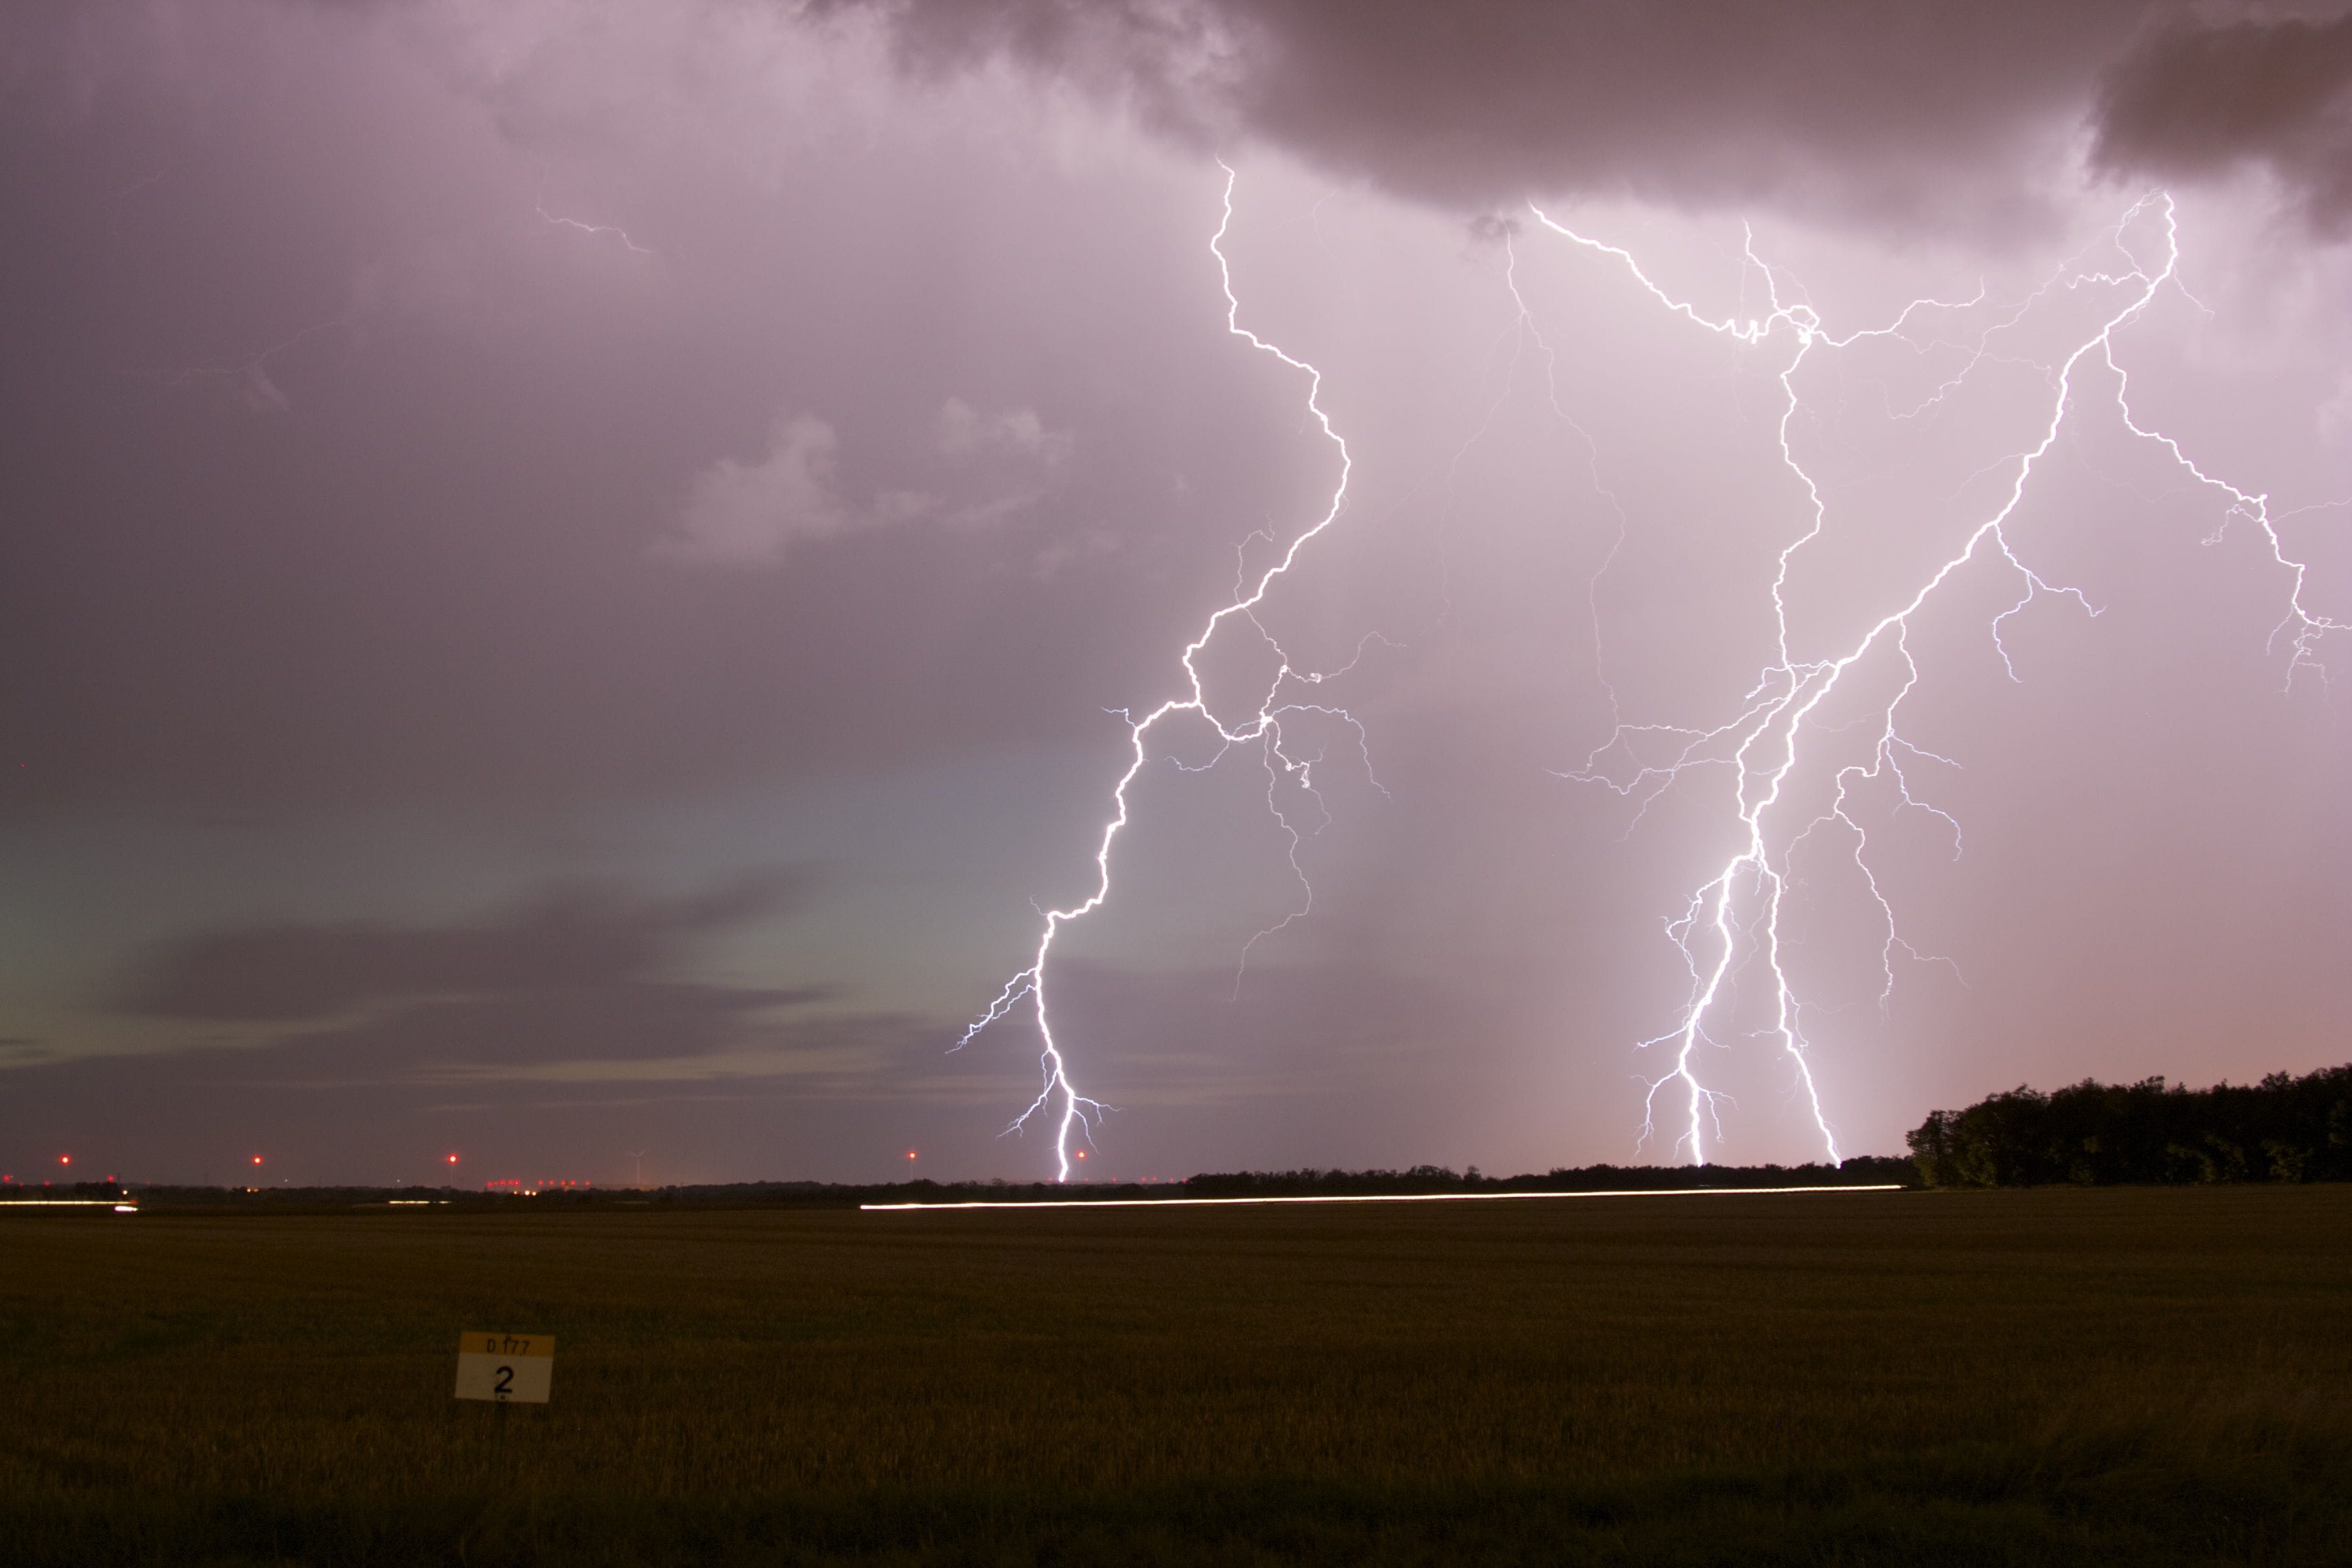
column 2283, row 1129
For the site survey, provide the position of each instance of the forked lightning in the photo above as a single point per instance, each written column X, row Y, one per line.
column 1734, row 919
column 1057, row 1097
column 1763, row 742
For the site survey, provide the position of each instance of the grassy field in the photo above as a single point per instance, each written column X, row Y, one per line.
column 2143, row 1376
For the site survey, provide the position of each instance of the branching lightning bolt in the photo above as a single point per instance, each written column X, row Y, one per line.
column 1073, row 1114
column 251, row 374
column 1763, row 744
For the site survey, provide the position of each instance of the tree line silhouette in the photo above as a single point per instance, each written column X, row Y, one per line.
column 2282, row 1129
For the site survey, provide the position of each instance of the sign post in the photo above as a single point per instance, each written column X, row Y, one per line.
column 506, row 1368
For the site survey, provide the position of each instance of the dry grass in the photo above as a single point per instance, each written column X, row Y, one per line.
column 2004, row 1377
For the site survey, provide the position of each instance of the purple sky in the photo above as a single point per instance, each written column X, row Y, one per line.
column 571, row 574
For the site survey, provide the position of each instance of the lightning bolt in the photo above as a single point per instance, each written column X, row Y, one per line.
column 539, row 205
column 1735, row 918
column 1058, row 1099
column 249, row 377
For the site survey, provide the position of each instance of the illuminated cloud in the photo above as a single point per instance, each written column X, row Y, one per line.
column 1002, row 464
column 739, row 513
column 1017, row 433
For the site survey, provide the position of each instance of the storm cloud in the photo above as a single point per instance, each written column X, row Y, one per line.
column 1933, row 112
column 2196, row 100
column 476, row 481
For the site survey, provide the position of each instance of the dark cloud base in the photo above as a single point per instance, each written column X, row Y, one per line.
column 2196, row 101
column 1928, row 114
column 1934, row 113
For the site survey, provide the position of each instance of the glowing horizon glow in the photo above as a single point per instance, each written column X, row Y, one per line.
column 1263, row 727
column 1789, row 692
column 1393, row 1198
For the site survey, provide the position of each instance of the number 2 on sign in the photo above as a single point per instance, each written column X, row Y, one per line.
column 505, row 1368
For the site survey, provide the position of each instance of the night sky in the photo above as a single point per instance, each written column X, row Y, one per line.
column 576, row 576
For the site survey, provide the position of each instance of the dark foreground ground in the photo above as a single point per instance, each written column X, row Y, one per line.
column 2150, row 1376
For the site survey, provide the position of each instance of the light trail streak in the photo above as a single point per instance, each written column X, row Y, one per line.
column 1057, row 1096
column 1388, row 1198
column 1763, row 744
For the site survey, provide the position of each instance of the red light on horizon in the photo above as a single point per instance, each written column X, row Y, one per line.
column 1082, row 1153
column 453, row 1159
column 256, row 1158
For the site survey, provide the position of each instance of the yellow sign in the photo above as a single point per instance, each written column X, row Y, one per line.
column 508, row 1368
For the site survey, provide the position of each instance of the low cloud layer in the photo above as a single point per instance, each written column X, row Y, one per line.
column 568, row 941
column 340, row 1045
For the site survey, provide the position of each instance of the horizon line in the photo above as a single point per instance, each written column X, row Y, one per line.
column 1385, row 1197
